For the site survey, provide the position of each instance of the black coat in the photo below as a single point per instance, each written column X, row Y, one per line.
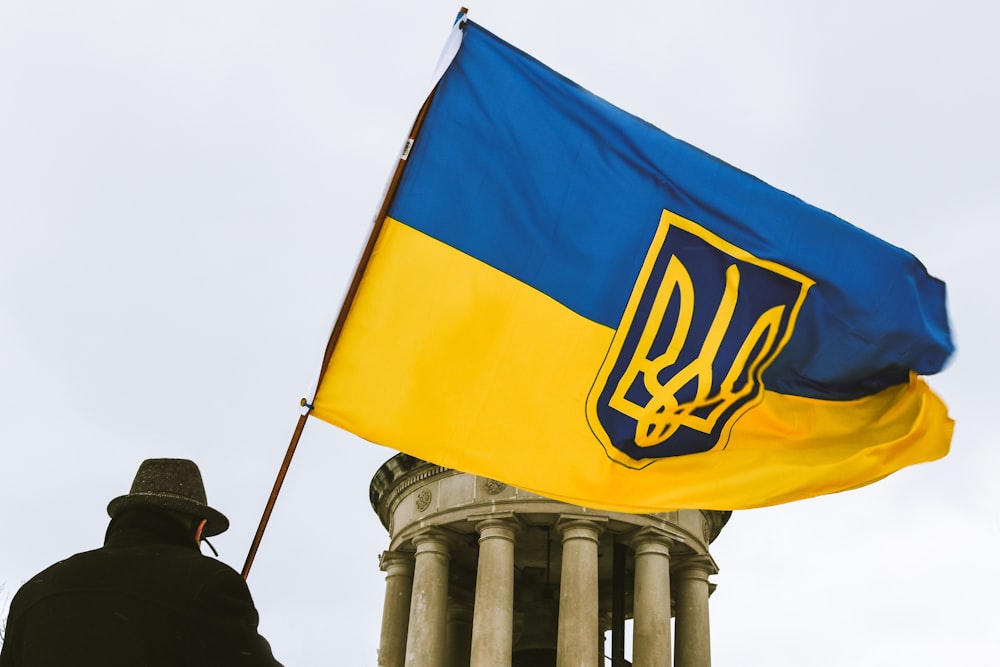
column 147, row 598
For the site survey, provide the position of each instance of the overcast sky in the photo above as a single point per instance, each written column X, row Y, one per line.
column 185, row 187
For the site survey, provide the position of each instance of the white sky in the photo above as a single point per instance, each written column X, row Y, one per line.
column 185, row 186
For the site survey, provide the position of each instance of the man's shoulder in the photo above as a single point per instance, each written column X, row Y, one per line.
column 115, row 567
column 164, row 561
column 59, row 569
column 115, row 557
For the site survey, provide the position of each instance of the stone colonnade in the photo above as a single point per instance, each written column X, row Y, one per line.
column 421, row 629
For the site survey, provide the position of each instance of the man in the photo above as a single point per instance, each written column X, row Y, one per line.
column 148, row 596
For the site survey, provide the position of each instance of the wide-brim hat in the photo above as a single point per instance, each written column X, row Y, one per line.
column 171, row 484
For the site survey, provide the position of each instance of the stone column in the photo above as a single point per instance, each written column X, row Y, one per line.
column 459, row 635
column 578, row 594
column 693, row 647
column 398, row 568
column 493, row 615
column 651, row 602
column 425, row 643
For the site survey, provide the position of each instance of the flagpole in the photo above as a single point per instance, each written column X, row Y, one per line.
column 296, row 435
column 338, row 326
column 383, row 212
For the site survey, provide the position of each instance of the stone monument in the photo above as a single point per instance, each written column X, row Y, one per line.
column 480, row 573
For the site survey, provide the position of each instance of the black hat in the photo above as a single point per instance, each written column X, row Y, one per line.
column 171, row 484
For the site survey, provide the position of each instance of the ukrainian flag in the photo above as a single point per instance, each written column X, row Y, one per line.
column 567, row 299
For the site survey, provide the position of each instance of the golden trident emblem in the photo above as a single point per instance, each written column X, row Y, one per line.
column 644, row 380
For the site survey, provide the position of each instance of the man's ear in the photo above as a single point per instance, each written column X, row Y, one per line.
column 198, row 531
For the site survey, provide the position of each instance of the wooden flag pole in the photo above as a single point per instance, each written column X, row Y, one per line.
column 338, row 326
column 383, row 212
column 274, row 493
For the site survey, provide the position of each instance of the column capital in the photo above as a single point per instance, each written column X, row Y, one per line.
column 581, row 526
column 395, row 561
column 505, row 524
column 652, row 539
column 497, row 529
column 698, row 566
column 434, row 540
